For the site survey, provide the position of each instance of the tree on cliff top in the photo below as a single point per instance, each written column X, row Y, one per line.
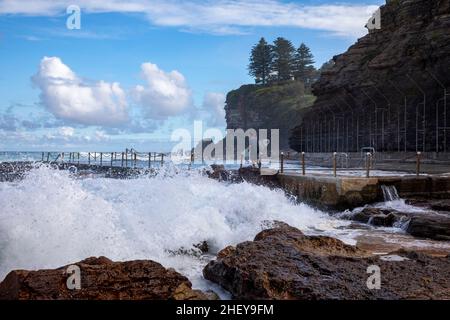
column 303, row 64
column 260, row 62
column 283, row 59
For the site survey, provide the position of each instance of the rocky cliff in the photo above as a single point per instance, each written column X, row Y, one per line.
column 389, row 90
column 276, row 106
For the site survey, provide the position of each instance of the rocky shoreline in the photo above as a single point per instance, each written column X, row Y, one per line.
column 280, row 263
column 283, row 263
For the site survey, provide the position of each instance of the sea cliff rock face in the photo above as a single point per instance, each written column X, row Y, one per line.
column 387, row 91
column 283, row 263
column 101, row 279
column 275, row 106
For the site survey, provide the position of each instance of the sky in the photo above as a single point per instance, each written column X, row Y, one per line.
column 135, row 71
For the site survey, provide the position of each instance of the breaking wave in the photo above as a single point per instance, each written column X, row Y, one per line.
column 52, row 218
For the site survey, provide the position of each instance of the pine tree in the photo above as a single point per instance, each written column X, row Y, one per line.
column 304, row 69
column 260, row 62
column 283, row 59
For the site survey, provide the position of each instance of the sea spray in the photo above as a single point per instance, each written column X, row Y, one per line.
column 52, row 218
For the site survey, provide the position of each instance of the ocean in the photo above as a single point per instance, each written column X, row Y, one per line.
column 52, row 218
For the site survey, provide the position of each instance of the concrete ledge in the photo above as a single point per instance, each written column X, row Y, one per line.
column 342, row 192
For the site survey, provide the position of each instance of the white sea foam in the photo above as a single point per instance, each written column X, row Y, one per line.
column 51, row 218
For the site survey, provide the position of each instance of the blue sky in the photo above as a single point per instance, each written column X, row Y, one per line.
column 134, row 72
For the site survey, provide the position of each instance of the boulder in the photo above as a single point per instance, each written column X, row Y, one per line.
column 283, row 263
column 218, row 172
column 383, row 220
column 378, row 217
column 430, row 224
column 101, row 279
column 441, row 205
column 366, row 214
column 433, row 226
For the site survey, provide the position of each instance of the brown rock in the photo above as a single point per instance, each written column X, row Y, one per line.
column 383, row 220
column 366, row 214
column 101, row 279
column 440, row 205
column 424, row 224
column 432, row 226
column 283, row 263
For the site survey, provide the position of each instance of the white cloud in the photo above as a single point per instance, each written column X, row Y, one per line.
column 70, row 98
column 213, row 106
column 220, row 17
column 101, row 135
column 164, row 94
column 66, row 132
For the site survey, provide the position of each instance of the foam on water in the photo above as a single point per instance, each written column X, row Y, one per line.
column 52, row 218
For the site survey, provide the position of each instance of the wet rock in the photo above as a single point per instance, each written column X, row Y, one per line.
column 101, row 279
column 441, row 205
column 378, row 217
column 248, row 174
column 218, row 172
column 253, row 175
column 366, row 214
column 432, row 226
column 202, row 246
column 283, row 263
column 383, row 220
column 197, row 250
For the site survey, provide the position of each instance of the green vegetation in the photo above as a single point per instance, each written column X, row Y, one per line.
column 303, row 64
column 260, row 65
column 279, row 106
column 283, row 64
column 281, row 61
column 283, row 91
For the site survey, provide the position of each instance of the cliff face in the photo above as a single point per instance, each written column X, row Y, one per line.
column 388, row 91
column 279, row 106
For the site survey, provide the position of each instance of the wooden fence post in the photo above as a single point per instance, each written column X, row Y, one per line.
column 418, row 163
column 334, row 164
column 368, row 164
column 303, row 163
